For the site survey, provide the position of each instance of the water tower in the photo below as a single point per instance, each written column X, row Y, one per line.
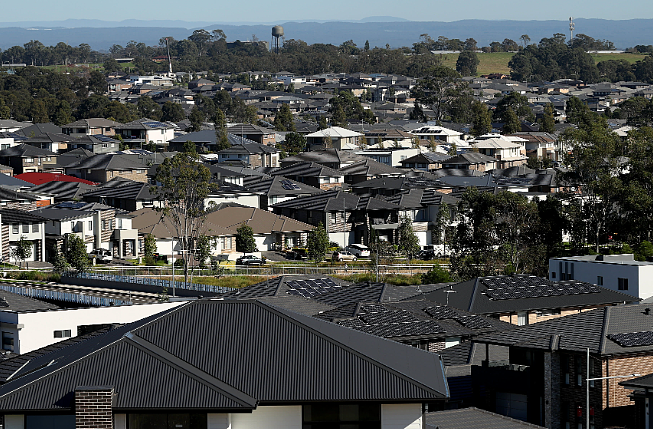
column 277, row 31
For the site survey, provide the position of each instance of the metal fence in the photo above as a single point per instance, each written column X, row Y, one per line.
column 266, row 271
column 78, row 298
column 145, row 279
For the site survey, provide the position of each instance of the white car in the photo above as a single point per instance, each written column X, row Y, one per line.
column 101, row 255
column 360, row 250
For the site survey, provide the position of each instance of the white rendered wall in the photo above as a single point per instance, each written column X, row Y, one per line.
column 401, row 416
column 640, row 277
column 283, row 417
column 38, row 327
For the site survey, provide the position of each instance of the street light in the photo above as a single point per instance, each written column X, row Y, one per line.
column 587, row 387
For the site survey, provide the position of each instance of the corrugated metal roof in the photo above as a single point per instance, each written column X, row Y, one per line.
column 225, row 355
column 473, row 418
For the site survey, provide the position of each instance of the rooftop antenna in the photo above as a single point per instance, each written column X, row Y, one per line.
column 448, row 292
column 571, row 28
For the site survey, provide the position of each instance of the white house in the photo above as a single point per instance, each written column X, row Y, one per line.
column 31, row 330
column 616, row 272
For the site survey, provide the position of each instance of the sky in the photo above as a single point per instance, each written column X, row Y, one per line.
column 257, row 11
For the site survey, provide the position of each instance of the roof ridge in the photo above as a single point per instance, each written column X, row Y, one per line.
column 351, row 350
column 190, row 370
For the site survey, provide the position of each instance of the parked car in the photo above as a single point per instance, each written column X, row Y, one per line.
column 250, row 260
column 426, row 255
column 101, row 255
column 360, row 250
column 297, row 253
column 343, row 255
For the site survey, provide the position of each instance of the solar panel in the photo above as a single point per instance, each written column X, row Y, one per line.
column 311, row 287
column 104, row 138
column 154, row 124
column 289, row 185
column 70, row 205
column 633, row 339
column 533, row 287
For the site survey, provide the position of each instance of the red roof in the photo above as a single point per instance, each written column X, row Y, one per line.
column 41, row 178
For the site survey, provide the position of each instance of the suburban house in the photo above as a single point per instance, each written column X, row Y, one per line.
column 615, row 272
column 540, row 145
column 251, row 155
column 98, row 225
column 146, row 131
column 471, row 161
column 54, row 142
column 524, row 299
column 255, row 133
column 642, row 395
column 377, row 135
column 96, row 144
column 438, row 133
column 544, row 379
column 103, row 167
column 369, row 169
column 313, row 174
column 389, row 186
column 90, row 127
column 20, row 225
column 122, row 194
column 425, row 161
column 29, row 324
column 391, row 156
column 346, row 217
column 334, row 137
column 507, row 153
column 226, row 192
column 26, row 158
column 332, row 158
column 277, row 189
column 357, row 380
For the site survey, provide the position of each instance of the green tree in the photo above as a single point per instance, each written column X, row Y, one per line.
column 147, row 108
column 245, row 242
column 317, row 243
column 482, row 119
column 203, row 250
column 196, row 118
column 149, row 245
column 467, row 63
column 408, row 241
column 222, row 139
column 548, row 122
column 97, row 83
column 283, row 120
column 172, row 112
column 512, row 123
column 184, row 184
column 439, row 90
column 294, row 144
column 339, row 118
column 59, row 263
column 22, row 250
column 111, row 65
column 39, row 112
column 76, row 253
column 435, row 275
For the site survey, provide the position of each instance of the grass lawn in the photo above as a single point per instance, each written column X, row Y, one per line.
column 226, row 281
column 497, row 62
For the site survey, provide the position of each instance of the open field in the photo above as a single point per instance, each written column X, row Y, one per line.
column 497, row 62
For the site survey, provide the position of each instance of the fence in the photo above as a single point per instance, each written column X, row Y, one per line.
column 265, row 271
column 78, row 298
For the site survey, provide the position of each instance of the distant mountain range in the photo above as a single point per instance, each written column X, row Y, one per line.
column 380, row 30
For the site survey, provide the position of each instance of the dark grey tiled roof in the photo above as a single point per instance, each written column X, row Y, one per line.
column 278, row 185
column 484, row 295
column 63, row 190
column 19, row 216
column 473, row 418
column 122, row 188
column 108, row 162
column 337, row 201
column 371, row 167
column 287, row 285
column 203, row 369
column 414, row 198
column 25, row 150
column 399, row 183
column 577, row 332
column 307, row 169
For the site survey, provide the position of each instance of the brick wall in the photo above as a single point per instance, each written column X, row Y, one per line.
column 93, row 407
column 615, row 395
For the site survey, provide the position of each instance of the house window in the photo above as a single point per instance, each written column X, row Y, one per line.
column 351, row 416
column 553, row 274
column 579, row 371
column 35, row 227
column 119, row 223
column 599, row 280
column 522, row 319
column 90, row 225
column 26, row 228
column 8, row 341
column 162, row 420
column 564, row 366
column 15, row 228
column 29, row 159
column 622, row 284
column 62, row 334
